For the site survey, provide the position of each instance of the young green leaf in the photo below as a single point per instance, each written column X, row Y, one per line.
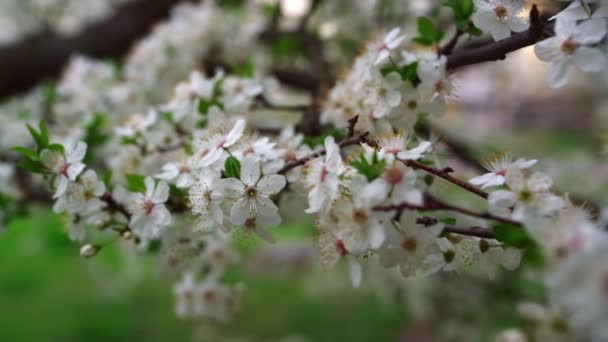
column 371, row 170
column 26, row 152
column 136, row 183
column 428, row 34
column 232, row 166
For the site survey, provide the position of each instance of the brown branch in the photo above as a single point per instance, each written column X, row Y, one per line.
column 451, row 44
column 431, row 203
column 445, row 174
column 44, row 56
column 356, row 140
column 499, row 50
column 471, row 231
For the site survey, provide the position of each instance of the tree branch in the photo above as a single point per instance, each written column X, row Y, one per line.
column 432, row 203
column 499, row 50
column 445, row 174
column 27, row 63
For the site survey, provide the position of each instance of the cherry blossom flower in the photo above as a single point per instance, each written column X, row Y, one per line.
column 136, row 123
column 413, row 247
column 213, row 147
column 491, row 253
column 323, row 177
column 499, row 17
column 498, row 167
column 149, row 214
column 572, row 45
column 181, row 172
column 386, row 95
column 66, row 166
column 389, row 42
column 253, row 207
column 205, row 199
column 526, row 193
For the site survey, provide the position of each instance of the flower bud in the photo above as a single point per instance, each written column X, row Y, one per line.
column 89, row 250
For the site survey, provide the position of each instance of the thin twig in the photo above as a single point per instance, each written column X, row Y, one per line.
column 433, row 204
column 445, row 174
column 356, row 140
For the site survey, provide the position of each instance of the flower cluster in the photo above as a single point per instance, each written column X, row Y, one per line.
column 201, row 165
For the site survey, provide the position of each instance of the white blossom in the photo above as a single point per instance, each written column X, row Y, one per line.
column 66, row 166
column 499, row 17
column 572, row 45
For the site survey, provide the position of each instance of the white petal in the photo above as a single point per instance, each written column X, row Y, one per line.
column 161, row 193
column 392, row 35
column 272, row 184
column 589, row 59
column 590, row 31
column 382, row 56
column 483, row 179
column 559, row 74
column 548, row 50
column 78, row 153
column 501, row 199
column 211, row 157
column 523, row 164
column 376, row 235
column 511, row 258
column 500, row 32
column 565, row 27
column 74, row 170
column 316, row 199
column 497, row 180
column 235, row 133
column 230, row 187
column 161, row 215
column 354, row 268
column 239, row 213
column 250, row 171
column 149, row 184
column 517, row 24
column 61, row 182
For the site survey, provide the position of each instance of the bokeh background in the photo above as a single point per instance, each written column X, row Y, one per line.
column 48, row 293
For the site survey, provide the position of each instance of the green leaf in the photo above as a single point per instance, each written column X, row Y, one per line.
column 30, row 165
column 474, row 31
column 448, row 220
column 463, row 9
column 136, row 183
column 49, row 94
column 245, row 70
column 512, row 235
column 371, row 170
column 232, row 166
column 327, row 131
column 128, row 140
column 106, row 178
column 95, row 134
column 44, row 132
column 57, row 148
column 26, row 152
column 204, row 105
column 38, row 138
column 428, row 34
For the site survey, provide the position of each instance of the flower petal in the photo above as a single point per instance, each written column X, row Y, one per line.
column 250, row 171
column 271, row 184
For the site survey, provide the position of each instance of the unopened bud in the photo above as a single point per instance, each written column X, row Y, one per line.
column 89, row 250
column 127, row 234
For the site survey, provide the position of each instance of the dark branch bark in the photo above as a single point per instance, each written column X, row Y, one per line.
column 25, row 64
column 432, row 203
column 499, row 50
column 445, row 174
